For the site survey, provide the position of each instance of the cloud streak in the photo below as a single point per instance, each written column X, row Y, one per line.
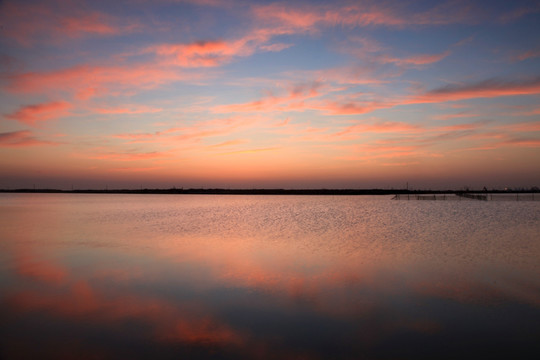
column 28, row 23
column 484, row 89
column 87, row 81
column 33, row 114
column 23, row 138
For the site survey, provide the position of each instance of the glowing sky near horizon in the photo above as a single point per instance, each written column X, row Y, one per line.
column 297, row 94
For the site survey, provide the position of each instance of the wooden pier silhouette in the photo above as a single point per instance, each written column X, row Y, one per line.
column 458, row 196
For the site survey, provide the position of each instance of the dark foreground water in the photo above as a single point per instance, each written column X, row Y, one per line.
column 267, row 277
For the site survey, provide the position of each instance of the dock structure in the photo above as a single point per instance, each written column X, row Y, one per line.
column 424, row 197
column 457, row 196
column 482, row 197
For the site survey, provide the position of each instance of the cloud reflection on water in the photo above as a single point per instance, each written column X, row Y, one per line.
column 198, row 292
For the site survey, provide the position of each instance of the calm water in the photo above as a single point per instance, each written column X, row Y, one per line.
column 277, row 277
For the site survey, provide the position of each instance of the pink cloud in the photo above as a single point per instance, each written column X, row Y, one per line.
column 379, row 127
column 309, row 18
column 88, row 81
column 457, row 127
column 166, row 322
column 28, row 23
column 518, row 13
column 22, row 138
column 32, row 114
column 277, row 47
column 42, row 271
column 531, row 54
column 455, row 116
column 214, row 53
column 195, row 133
column 136, row 137
column 483, row 89
column 532, row 126
column 352, row 75
column 129, row 109
column 200, row 53
column 522, row 142
column 423, row 59
column 302, row 98
column 350, row 107
column 210, row 128
column 293, row 100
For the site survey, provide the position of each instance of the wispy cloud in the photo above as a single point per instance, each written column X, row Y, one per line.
column 416, row 60
column 23, row 138
column 33, row 114
column 531, row 126
column 28, row 23
column 292, row 100
column 303, row 18
column 86, row 81
column 142, row 137
column 379, row 127
column 529, row 54
column 217, row 52
column 483, row 89
column 520, row 12
column 459, row 115
column 127, row 156
column 228, row 143
column 250, row 151
column 128, row 109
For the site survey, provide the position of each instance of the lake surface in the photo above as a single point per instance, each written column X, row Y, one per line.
column 267, row 277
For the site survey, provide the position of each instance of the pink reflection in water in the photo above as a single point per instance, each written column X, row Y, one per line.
column 254, row 277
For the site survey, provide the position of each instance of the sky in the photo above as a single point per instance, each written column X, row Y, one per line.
column 263, row 94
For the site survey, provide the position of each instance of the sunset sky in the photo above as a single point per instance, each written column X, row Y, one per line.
column 262, row 94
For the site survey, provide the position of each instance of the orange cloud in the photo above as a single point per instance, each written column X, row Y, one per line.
column 31, row 114
column 136, row 169
column 228, row 143
column 22, row 138
column 129, row 156
column 250, row 151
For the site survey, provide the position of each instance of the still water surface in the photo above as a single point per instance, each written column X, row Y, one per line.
column 267, row 277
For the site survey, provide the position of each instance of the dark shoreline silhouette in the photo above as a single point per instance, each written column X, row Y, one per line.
column 218, row 191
